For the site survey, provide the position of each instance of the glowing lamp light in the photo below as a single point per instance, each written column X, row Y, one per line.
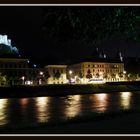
column 41, row 73
column 23, row 77
column 70, row 72
column 28, row 82
column 124, row 72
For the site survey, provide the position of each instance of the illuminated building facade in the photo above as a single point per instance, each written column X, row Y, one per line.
column 88, row 72
column 56, row 74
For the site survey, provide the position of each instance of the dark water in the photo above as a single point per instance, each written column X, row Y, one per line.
column 46, row 109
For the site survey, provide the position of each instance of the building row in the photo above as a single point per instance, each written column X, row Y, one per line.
column 18, row 71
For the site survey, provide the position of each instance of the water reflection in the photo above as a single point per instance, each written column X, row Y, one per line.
column 46, row 109
column 73, row 106
column 24, row 103
column 42, row 108
column 125, row 99
column 3, row 111
column 100, row 102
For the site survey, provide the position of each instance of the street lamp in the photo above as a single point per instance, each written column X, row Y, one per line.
column 124, row 72
column 41, row 75
column 23, row 78
column 70, row 73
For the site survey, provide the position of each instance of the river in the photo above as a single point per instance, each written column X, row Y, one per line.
column 21, row 111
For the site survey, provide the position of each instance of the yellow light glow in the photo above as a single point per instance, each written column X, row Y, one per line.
column 125, row 99
column 41, row 73
column 42, row 108
column 23, row 77
column 3, row 113
column 70, row 72
column 72, row 106
column 100, row 102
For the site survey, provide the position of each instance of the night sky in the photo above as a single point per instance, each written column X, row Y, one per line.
column 66, row 34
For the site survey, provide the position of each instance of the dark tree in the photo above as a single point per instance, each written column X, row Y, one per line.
column 81, row 75
column 57, row 74
column 47, row 75
column 89, row 75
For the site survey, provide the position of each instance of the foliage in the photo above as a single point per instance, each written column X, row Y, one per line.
column 97, row 75
column 47, row 75
column 57, row 74
column 89, row 75
column 80, row 75
column 90, row 23
column 121, row 74
column 2, row 79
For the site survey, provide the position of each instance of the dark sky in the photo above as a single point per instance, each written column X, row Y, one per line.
column 63, row 34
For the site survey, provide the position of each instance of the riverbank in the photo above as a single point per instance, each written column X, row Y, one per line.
column 67, row 89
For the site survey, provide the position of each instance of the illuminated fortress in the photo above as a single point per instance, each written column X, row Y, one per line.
column 6, row 47
column 4, row 40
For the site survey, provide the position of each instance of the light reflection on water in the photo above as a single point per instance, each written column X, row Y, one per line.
column 72, row 106
column 24, row 103
column 3, row 111
column 46, row 109
column 99, row 102
column 125, row 100
column 42, row 108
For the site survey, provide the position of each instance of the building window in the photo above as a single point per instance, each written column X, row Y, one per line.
column 88, row 65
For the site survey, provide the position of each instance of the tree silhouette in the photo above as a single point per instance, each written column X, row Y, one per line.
column 57, row 74
column 89, row 75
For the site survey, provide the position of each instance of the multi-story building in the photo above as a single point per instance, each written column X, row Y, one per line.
column 86, row 72
column 56, row 74
column 18, row 71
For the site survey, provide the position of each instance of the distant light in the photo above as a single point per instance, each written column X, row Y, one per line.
column 34, row 65
column 28, row 61
column 124, row 72
column 23, row 77
column 41, row 73
column 28, row 83
column 70, row 72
